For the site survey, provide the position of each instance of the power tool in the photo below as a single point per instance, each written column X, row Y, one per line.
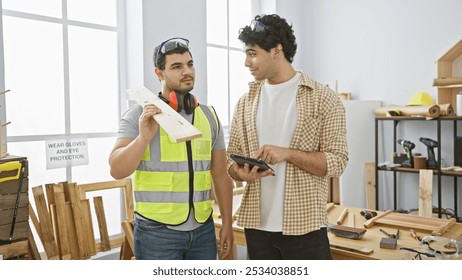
column 407, row 146
column 431, row 144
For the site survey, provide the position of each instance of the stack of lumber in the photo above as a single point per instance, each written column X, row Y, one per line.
column 64, row 219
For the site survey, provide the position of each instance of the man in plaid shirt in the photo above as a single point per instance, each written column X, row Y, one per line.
column 296, row 125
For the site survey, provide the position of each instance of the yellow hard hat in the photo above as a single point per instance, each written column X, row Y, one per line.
column 421, row 98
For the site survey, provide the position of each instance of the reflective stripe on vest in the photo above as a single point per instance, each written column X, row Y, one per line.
column 162, row 188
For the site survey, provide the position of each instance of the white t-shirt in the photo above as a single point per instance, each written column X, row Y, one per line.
column 276, row 121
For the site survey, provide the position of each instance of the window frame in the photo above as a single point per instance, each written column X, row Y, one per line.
column 120, row 31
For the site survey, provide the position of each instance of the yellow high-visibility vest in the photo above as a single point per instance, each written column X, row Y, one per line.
column 179, row 177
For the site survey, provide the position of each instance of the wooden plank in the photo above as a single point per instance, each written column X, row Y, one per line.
column 129, row 247
column 102, row 225
column 61, row 223
column 70, row 223
column 435, row 225
column 11, row 186
column 49, row 194
column 36, row 223
column 52, row 209
column 447, row 81
column 9, row 201
column 334, row 185
column 125, row 184
column 32, row 247
column 78, row 220
column 67, row 195
column 21, row 230
column 342, row 216
column 125, row 252
column 177, row 127
column 369, row 184
column 106, row 185
column 48, row 239
column 425, row 193
column 351, row 219
column 88, row 227
column 128, row 200
column 352, row 248
column 6, row 215
column 14, row 249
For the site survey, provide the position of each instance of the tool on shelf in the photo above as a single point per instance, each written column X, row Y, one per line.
column 408, row 146
column 431, row 144
column 21, row 167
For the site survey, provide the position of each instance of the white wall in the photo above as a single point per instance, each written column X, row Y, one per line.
column 380, row 49
column 384, row 50
column 162, row 20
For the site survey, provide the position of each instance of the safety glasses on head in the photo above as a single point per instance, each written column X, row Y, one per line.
column 258, row 26
column 171, row 44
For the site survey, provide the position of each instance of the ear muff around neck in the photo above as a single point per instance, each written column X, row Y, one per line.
column 174, row 100
column 189, row 103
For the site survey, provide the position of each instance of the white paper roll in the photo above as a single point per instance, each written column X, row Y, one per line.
column 459, row 104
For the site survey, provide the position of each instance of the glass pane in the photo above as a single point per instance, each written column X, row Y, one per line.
column 216, row 22
column 93, row 80
column 112, row 201
column 100, row 12
column 34, row 74
column 51, row 8
column 217, row 85
column 239, row 16
column 98, row 168
column 239, row 78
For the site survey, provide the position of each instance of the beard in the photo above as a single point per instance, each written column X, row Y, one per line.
column 183, row 89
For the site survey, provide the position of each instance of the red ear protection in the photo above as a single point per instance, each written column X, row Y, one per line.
column 174, row 100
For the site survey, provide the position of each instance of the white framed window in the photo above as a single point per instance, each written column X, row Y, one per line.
column 61, row 61
column 227, row 77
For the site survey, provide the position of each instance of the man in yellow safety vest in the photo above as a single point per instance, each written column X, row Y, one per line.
column 173, row 181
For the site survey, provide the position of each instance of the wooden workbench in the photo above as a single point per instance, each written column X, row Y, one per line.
column 371, row 239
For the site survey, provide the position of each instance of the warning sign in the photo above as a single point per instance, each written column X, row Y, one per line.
column 66, row 152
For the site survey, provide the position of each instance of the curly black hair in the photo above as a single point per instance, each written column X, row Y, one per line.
column 276, row 31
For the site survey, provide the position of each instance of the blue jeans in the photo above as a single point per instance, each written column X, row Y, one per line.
column 155, row 241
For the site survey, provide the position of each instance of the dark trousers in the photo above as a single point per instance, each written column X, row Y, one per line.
column 265, row 245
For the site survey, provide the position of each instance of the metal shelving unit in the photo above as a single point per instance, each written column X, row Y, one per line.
column 437, row 172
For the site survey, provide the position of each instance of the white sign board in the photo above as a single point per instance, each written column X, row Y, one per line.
column 66, row 152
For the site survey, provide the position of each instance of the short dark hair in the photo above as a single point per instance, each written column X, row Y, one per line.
column 159, row 57
column 276, row 31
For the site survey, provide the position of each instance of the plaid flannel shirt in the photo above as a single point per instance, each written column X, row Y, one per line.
column 321, row 126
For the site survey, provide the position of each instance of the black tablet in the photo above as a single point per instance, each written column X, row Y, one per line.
column 241, row 160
